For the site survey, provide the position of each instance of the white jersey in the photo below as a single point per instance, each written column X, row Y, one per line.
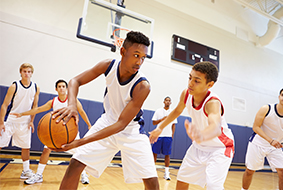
column 57, row 103
column 272, row 126
column 159, row 114
column 118, row 95
column 22, row 101
column 200, row 120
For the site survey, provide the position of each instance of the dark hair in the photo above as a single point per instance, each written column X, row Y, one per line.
column 281, row 91
column 167, row 97
column 61, row 80
column 207, row 68
column 135, row 37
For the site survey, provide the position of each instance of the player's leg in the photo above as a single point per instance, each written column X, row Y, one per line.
column 166, row 150
column 280, row 175
column 72, row 175
column 247, row 178
column 182, row 185
column 151, row 183
column 38, row 177
column 156, row 148
column 155, row 157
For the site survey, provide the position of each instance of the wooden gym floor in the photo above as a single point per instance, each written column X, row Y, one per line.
column 112, row 178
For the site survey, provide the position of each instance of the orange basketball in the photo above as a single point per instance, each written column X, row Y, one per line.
column 53, row 134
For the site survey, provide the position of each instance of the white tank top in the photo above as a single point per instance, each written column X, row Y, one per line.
column 57, row 103
column 200, row 120
column 272, row 126
column 118, row 95
column 22, row 101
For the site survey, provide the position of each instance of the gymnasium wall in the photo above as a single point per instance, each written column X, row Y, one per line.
column 181, row 142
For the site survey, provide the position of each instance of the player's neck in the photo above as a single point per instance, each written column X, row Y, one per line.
column 166, row 108
column 62, row 97
column 279, row 108
column 199, row 98
column 25, row 82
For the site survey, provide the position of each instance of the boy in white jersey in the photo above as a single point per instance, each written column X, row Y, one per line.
column 208, row 159
column 118, row 128
column 21, row 96
column 56, row 103
column 164, row 142
column 266, row 142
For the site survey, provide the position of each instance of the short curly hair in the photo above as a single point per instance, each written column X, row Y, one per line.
column 135, row 37
column 207, row 68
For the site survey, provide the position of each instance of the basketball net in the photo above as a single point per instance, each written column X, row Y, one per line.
column 118, row 41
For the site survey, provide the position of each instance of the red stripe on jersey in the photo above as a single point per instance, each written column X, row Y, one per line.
column 213, row 97
column 229, row 144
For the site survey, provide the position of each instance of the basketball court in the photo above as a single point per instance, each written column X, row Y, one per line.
column 106, row 24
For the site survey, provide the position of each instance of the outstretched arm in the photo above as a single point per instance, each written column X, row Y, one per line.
column 173, row 115
column 47, row 106
column 213, row 110
column 140, row 93
column 5, row 105
column 73, row 89
column 83, row 114
column 259, row 118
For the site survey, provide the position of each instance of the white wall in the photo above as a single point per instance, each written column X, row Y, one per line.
column 43, row 33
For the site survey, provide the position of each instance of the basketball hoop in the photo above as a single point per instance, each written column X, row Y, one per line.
column 118, row 41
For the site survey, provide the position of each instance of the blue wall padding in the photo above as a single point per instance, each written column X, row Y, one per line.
column 181, row 141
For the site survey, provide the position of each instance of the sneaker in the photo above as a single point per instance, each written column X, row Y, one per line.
column 36, row 178
column 166, row 176
column 84, row 179
column 25, row 175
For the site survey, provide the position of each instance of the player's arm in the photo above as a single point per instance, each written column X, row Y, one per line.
column 34, row 105
column 156, row 122
column 173, row 129
column 259, row 118
column 140, row 93
column 47, row 106
column 5, row 104
column 83, row 114
column 73, row 89
column 173, row 115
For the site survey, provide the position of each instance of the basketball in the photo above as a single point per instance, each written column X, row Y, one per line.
column 53, row 134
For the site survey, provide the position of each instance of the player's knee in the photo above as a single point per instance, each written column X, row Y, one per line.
column 249, row 172
column 280, row 173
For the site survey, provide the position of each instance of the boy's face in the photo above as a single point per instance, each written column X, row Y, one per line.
column 61, row 88
column 197, row 83
column 26, row 73
column 133, row 57
column 167, row 102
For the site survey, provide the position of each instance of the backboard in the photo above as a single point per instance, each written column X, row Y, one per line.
column 107, row 24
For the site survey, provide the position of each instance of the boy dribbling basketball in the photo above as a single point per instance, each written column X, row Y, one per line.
column 118, row 128
column 208, row 158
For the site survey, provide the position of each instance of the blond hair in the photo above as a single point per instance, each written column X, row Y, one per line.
column 26, row 65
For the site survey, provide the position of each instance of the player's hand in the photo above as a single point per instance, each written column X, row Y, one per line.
column 66, row 147
column 276, row 144
column 30, row 125
column 2, row 127
column 16, row 114
column 154, row 135
column 65, row 114
column 193, row 132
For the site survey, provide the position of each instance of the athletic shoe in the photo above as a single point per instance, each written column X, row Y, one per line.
column 36, row 178
column 166, row 176
column 84, row 179
column 25, row 175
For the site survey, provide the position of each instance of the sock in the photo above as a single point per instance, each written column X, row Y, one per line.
column 166, row 169
column 244, row 189
column 26, row 165
column 83, row 172
column 40, row 168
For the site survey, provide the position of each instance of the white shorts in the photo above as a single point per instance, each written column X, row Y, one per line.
column 137, row 157
column 204, row 168
column 21, row 135
column 256, row 154
column 72, row 151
